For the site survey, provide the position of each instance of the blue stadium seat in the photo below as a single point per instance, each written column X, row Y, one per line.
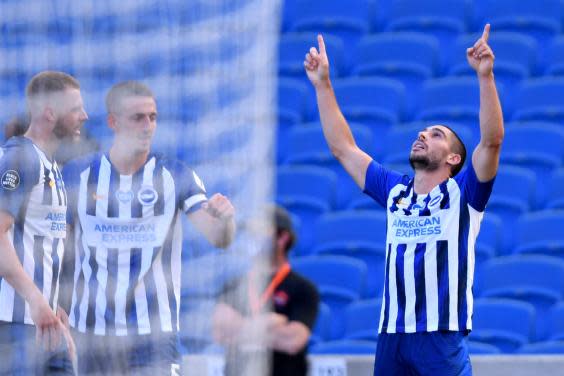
column 359, row 234
column 337, row 293
column 541, row 233
column 307, row 192
column 556, row 190
column 405, row 56
column 540, row 99
column 362, row 319
column 345, row 346
column 509, row 200
column 450, row 99
column 444, row 19
column 557, row 322
column 555, row 57
column 292, row 48
column 322, row 329
column 348, row 20
column 479, row 348
column 541, row 19
column 545, row 347
column 538, row 147
column 543, row 286
column 376, row 102
column 306, row 145
column 291, row 102
column 488, row 243
column 401, row 137
column 504, row 323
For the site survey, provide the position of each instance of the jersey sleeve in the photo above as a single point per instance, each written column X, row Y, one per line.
column 19, row 173
column 379, row 181
column 477, row 193
column 305, row 305
column 192, row 190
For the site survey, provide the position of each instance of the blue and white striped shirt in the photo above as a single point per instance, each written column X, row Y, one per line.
column 128, row 238
column 429, row 250
column 33, row 193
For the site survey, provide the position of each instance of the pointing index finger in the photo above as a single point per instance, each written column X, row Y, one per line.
column 321, row 44
column 486, row 33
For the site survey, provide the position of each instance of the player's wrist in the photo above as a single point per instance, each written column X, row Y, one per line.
column 322, row 84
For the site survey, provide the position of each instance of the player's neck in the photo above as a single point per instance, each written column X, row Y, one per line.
column 125, row 162
column 425, row 181
column 43, row 139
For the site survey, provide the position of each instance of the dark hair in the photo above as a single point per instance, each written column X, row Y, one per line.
column 283, row 223
column 459, row 148
column 126, row 89
column 50, row 82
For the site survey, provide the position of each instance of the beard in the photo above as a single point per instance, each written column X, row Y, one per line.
column 423, row 162
column 62, row 132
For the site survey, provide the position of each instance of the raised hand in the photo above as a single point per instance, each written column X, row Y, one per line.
column 317, row 64
column 480, row 56
column 219, row 206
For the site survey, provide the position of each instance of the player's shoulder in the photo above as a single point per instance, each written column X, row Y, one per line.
column 173, row 164
column 79, row 164
column 19, row 151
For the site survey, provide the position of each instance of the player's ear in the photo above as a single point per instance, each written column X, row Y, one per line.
column 49, row 114
column 112, row 121
column 453, row 159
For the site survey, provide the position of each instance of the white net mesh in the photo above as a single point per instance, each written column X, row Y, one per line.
column 211, row 65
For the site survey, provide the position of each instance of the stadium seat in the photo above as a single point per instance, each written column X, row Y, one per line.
column 362, row 319
column 337, row 293
column 555, row 57
column 479, row 348
column 538, row 147
column 557, row 322
column 540, row 99
column 543, row 286
column 556, row 190
column 504, row 323
column 349, row 20
column 444, row 19
column 307, row 192
column 408, row 57
column 488, row 243
column 306, row 145
column 450, row 99
column 509, row 200
column 401, row 137
column 322, row 329
column 359, row 234
column 540, row 19
column 292, row 48
column 376, row 102
column 291, row 102
column 545, row 347
column 541, row 233
column 345, row 347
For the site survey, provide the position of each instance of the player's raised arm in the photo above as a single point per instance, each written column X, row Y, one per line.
column 485, row 158
column 335, row 128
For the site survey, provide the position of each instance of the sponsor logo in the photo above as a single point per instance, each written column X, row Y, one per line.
column 280, row 298
column 435, row 200
column 147, row 196
column 124, row 196
column 10, row 180
column 416, row 227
